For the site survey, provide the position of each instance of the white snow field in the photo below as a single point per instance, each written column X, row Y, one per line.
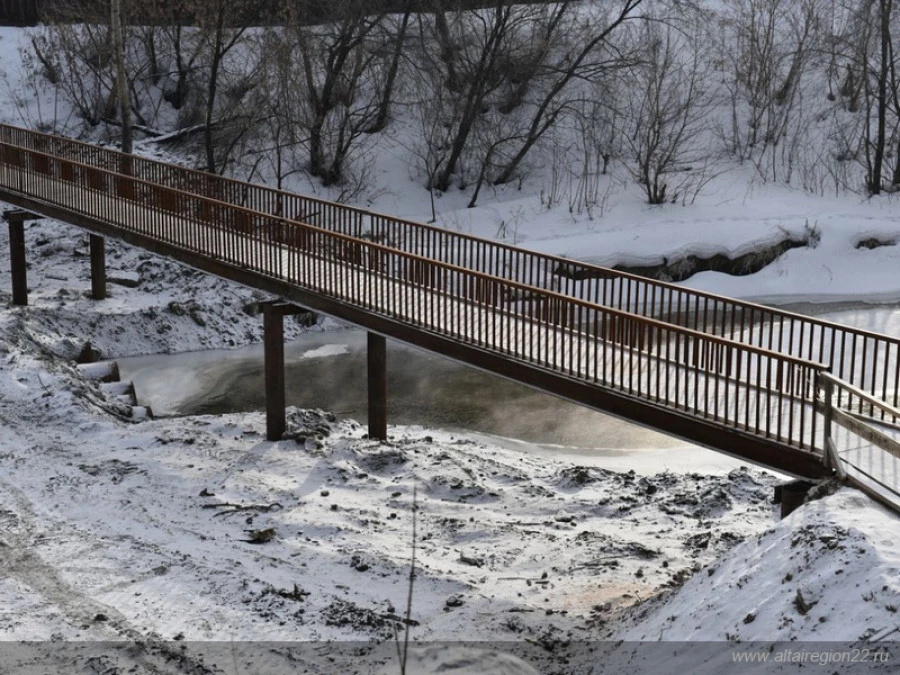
column 193, row 545
column 114, row 530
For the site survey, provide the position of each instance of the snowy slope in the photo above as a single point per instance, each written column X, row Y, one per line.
column 110, row 530
column 114, row 530
column 829, row 572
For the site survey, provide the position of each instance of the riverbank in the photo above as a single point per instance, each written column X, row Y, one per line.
column 122, row 517
column 197, row 529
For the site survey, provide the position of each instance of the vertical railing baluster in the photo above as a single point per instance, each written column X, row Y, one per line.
column 233, row 222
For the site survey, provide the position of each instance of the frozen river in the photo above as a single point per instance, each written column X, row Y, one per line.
column 327, row 370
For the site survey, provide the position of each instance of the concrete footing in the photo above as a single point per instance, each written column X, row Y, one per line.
column 791, row 496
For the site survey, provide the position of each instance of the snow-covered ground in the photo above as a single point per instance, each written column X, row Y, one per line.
column 192, row 534
column 151, row 525
column 113, row 530
column 729, row 218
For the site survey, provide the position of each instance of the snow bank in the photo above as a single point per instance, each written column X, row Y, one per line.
column 829, row 572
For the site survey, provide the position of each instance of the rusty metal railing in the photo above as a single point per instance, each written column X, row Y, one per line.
column 867, row 360
column 739, row 387
column 862, row 448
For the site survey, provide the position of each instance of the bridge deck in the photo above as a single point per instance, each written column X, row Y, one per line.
column 730, row 394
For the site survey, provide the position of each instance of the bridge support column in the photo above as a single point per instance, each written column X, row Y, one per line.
column 377, row 379
column 98, row 267
column 273, row 342
column 16, row 220
column 273, row 339
column 791, row 496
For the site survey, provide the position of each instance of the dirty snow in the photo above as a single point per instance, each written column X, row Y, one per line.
column 156, row 526
column 113, row 530
column 210, row 549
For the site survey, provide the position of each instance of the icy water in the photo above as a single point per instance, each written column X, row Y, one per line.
column 328, row 370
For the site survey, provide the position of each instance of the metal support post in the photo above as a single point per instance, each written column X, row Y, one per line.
column 274, row 312
column 828, row 391
column 98, row 267
column 273, row 339
column 377, row 358
column 18, row 266
column 17, row 262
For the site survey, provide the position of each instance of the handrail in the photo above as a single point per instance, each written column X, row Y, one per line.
column 877, row 474
column 511, row 283
column 560, row 260
column 859, row 393
column 856, row 355
column 742, row 387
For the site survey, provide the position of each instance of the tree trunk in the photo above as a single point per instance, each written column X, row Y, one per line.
column 384, row 106
column 875, row 174
column 442, row 179
column 116, row 24
column 445, row 44
column 316, row 151
column 208, row 140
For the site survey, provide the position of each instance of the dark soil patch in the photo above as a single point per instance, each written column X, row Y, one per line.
column 687, row 266
column 875, row 242
column 342, row 613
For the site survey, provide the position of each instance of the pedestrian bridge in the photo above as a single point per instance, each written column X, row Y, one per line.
column 793, row 393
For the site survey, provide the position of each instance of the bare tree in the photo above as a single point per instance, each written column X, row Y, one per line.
column 78, row 59
column 397, row 38
column 894, row 99
column 463, row 71
column 584, row 60
column 883, row 81
column 864, row 50
column 284, row 136
column 596, row 143
column 180, row 51
column 97, row 63
column 767, row 47
column 336, row 62
column 664, row 115
column 222, row 25
column 506, row 74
